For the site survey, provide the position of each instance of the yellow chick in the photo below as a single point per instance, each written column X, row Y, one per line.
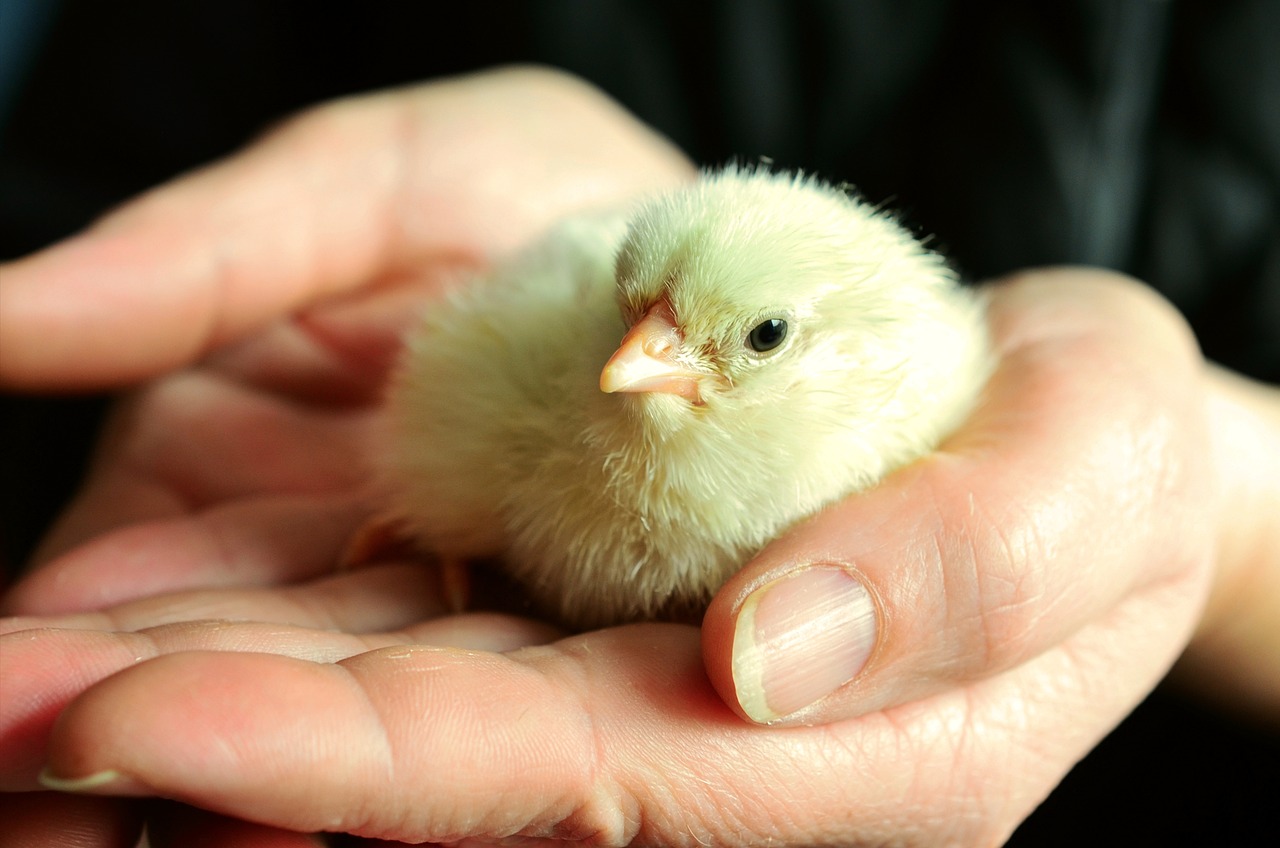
column 628, row 411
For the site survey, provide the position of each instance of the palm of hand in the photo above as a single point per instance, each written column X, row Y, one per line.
column 248, row 470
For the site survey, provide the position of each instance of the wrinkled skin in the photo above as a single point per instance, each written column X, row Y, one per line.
column 183, row 626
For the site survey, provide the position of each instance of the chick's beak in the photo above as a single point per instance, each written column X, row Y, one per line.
column 647, row 359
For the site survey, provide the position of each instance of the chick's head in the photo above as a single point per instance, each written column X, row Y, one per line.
column 753, row 288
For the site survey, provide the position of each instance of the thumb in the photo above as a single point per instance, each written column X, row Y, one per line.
column 1058, row 502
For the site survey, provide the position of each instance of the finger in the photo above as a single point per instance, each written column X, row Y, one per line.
column 46, row 669
column 208, row 440
column 328, row 202
column 614, row 737
column 337, row 353
column 381, row 597
column 196, row 439
column 1073, row 486
column 257, row 541
column 206, row 258
column 44, row 819
column 1234, row 659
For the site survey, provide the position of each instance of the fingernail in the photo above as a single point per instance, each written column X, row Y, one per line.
column 88, row 783
column 799, row 639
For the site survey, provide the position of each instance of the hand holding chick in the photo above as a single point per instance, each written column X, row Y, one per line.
column 631, row 409
column 487, row 740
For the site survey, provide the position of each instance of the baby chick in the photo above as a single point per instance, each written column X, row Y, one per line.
column 631, row 409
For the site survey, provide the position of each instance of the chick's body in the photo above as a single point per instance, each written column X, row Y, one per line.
column 713, row 434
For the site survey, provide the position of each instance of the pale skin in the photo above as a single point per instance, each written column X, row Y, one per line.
column 1105, row 508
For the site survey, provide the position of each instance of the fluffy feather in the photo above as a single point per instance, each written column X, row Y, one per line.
column 640, row 501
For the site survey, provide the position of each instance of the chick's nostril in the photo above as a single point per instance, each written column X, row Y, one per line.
column 658, row 346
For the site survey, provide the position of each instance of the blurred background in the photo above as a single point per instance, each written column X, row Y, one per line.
column 1143, row 136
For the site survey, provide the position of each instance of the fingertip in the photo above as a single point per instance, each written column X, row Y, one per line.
column 151, row 709
column 91, row 312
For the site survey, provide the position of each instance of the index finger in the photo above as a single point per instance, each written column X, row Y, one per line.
column 445, row 173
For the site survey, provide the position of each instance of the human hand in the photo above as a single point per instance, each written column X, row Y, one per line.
column 1076, row 562
column 281, row 278
column 298, row 262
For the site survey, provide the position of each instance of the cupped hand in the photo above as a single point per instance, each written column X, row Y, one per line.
column 263, row 297
column 1029, row 584
column 279, row 280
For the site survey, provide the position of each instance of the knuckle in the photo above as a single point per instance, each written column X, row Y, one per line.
column 995, row 592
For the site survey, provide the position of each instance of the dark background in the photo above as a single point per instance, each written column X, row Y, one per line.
column 1142, row 136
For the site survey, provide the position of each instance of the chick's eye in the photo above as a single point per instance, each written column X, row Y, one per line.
column 767, row 335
